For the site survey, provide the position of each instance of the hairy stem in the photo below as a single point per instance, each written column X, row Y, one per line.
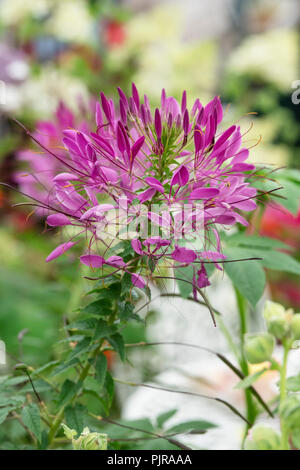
column 283, row 370
column 242, row 308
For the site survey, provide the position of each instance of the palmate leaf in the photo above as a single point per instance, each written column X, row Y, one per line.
column 68, row 391
column 100, row 369
column 248, row 276
column 74, row 416
column 117, row 342
column 31, row 418
column 289, row 182
column 293, row 383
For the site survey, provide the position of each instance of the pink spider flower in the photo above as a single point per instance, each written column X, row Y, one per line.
column 177, row 159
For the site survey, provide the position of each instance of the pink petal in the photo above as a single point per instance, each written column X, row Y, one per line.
column 59, row 250
column 116, row 261
column 57, row 220
column 181, row 176
column 93, row 261
column 183, row 255
column 137, row 246
column 147, row 195
column 137, row 280
column 204, row 193
column 154, row 183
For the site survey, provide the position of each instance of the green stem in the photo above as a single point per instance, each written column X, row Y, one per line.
column 242, row 308
column 283, row 370
column 60, row 416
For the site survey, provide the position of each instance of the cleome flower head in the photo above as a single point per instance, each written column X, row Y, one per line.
column 165, row 179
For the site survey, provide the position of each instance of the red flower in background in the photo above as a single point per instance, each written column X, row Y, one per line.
column 278, row 223
column 114, row 33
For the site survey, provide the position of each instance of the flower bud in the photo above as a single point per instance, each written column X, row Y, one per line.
column 87, row 440
column 295, row 325
column 258, row 347
column 276, row 319
column 262, row 438
column 290, row 411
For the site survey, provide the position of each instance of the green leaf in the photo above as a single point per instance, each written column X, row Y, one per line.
column 100, row 369
column 31, row 418
column 280, row 262
column 185, row 288
column 191, row 426
column 74, row 416
column 291, row 193
column 68, row 391
column 247, row 276
column 242, row 240
column 82, row 347
column 13, row 400
column 164, row 417
column 293, row 383
column 296, row 438
column 83, row 325
column 109, row 387
column 117, row 343
column 103, row 329
column 99, row 307
column 65, row 366
column 4, row 412
column 250, row 379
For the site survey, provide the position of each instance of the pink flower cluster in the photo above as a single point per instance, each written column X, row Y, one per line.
column 172, row 157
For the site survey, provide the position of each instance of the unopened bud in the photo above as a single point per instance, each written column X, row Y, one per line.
column 87, row 440
column 295, row 325
column 276, row 319
column 290, row 411
column 262, row 438
column 258, row 347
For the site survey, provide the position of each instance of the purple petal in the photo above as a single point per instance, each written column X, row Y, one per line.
column 135, row 95
column 137, row 246
column 157, row 124
column 181, row 176
column 137, row 146
column 147, row 195
column 57, row 220
column 116, row 261
column 93, row 261
column 154, row 183
column 183, row 102
column 183, row 255
column 59, row 250
column 198, row 139
column 204, row 193
column 202, row 280
column 137, row 281
column 186, row 122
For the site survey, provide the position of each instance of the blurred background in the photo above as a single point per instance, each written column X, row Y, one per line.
column 55, row 57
